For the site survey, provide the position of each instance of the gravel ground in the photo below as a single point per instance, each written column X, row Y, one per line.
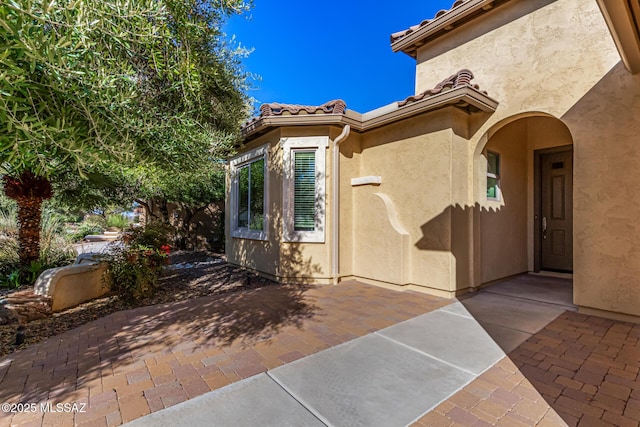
column 189, row 275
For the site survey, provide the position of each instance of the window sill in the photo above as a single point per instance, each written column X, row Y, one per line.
column 249, row 235
column 304, row 237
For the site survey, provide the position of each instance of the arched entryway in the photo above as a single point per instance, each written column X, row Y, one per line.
column 523, row 185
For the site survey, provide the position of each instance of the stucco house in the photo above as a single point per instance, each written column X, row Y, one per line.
column 525, row 159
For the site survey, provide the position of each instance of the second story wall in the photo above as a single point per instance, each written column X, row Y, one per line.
column 530, row 55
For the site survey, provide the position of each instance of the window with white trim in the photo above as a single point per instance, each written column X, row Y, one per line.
column 304, row 188
column 493, row 176
column 249, row 196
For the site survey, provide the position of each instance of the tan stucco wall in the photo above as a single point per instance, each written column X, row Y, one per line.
column 503, row 224
column 557, row 58
column 545, row 60
column 605, row 125
column 507, row 227
column 350, row 153
column 402, row 227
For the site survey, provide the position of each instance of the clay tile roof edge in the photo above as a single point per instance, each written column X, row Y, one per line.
column 442, row 21
column 400, row 34
column 275, row 109
column 454, row 90
column 336, row 106
column 461, row 78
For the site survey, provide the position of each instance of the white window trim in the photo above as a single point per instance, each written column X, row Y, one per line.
column 234, row 166
column 498, row 197
column 307, row 143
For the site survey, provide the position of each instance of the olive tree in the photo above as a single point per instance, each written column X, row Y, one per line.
column 87, row 87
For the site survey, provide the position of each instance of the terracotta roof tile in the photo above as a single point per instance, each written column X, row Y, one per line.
column 337, row 106
column 461, row 78
column 400, row 34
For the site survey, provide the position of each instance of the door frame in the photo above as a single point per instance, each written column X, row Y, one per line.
column 537, row 199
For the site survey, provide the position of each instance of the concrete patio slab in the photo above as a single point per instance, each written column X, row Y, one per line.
column 536, row 288
column 457, row 308
column 508, row 339
column 516, row 313
column 469, row 347
column 370, row 381
column 255, row 401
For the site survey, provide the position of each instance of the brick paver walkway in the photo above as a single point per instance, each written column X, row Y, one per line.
column 131, row 363
column 579, row 370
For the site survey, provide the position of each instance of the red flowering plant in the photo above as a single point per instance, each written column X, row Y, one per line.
column 136, row 263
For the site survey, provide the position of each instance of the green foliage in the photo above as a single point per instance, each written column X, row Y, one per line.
column 117, row 221
column 154, row 235
column 86, row 82
column 134, row 267
column 83, row 229
column 9, row 262
column 89, row 89
column 55, row 251
column 6, row 206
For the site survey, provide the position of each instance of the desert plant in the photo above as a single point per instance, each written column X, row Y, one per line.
column 133, row 272
column 9, row 261
column 96, row 219
column 117, row 221
column 83, row 229
column 153, row 235
column 136, row 264
column 55, row 251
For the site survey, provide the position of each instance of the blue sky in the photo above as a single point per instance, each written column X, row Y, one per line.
column 311, row 52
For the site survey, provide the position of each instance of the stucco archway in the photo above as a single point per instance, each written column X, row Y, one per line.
column 506, row 225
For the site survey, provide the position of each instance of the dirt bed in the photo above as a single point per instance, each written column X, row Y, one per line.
column 189, row 275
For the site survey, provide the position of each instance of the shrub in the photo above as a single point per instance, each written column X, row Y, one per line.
column 117, row 221
column 136, row 264
column 83, row 229
column 96, row 219
column 55, row 251
column 9, row 260
column 153, row 235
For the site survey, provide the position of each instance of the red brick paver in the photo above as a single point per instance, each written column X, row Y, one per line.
column 578, row 371
column 134, row 362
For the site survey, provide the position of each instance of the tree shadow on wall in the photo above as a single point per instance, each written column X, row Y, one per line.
column 449, row 232
column 280, row 256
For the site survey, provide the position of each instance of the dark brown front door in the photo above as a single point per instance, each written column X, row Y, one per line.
column 557, row 211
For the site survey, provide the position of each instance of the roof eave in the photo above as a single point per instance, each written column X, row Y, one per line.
column 466, row 98
column 623, row 19
column 262, row 124
column 442, row 25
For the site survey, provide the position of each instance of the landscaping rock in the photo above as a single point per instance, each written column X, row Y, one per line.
column 25, row 306
column 7, row 315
